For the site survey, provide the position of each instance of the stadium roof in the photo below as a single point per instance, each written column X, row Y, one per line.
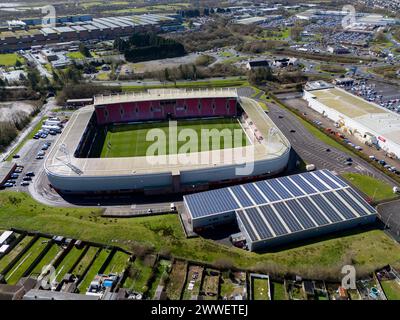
column 287, row 204
column 165, row 94
column 275, row 145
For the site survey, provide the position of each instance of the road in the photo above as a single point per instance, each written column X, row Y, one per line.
column 313, row 150
column 51, row 104
column 42, row 70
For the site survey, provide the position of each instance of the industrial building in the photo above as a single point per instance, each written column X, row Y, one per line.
column 367, row 121
column 70, row 170
column 82, row 29
column 278, row 211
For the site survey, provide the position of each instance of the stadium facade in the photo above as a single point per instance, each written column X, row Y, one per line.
column 279, row 211
column 365, row 120
column 70, row 170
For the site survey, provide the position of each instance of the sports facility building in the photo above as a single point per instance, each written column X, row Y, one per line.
column 367, row 121
column 104, row 147
column 278, row 211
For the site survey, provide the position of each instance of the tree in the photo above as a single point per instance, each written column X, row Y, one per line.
column 84, row 50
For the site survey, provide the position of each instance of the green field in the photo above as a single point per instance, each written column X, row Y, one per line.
column 118, row 263
column 94, row 270
column 85, row 261
column 278, row 291
column 133, row 140
column 67, row 263
column 260, row 289
column 77, row 55
column 5, row 260
column 391, row 289
column 369, row 250
column 377, row 190
column 161, row 271
column 138, row 275
column 13, row 276
column 9, row 59
column 47, row 259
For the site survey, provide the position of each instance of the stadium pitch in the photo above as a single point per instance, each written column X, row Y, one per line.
column 131, row 140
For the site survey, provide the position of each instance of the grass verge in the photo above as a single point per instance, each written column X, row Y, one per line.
column 369, row 250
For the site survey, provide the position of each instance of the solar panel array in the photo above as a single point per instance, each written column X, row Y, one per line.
column 278, row 207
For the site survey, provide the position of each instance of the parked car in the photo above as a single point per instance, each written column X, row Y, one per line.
column 30, row 174
column 8, row 185
column 39, row 158
column 16, row 156
column 24, row 183
column 27, row 179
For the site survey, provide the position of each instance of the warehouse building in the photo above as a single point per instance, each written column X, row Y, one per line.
column 81, row 28
column 278, row 211
column 367, row 121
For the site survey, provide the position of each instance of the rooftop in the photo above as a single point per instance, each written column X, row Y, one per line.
column 278, row 207
column 157, row 94
column 378, row 120
column 274, row 145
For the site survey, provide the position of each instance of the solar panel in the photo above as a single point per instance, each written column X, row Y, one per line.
column 326, row 208
column 267, row 190
column 326, row 179
column 273, row 220
column 255, row 194
column 313, row 211
column 289, row 219
column 211, row 202
column 258, row 223
column 343, row 209
column 360, row 210
column 243, row 218
column 300, row 214
column 242, row 196
column 365, row 204
column 303, row 184
column 292, row 187
column 281, row 191
column 339, row 181
column 315, row 182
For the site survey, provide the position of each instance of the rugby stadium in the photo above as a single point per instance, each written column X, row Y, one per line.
column 166, row 141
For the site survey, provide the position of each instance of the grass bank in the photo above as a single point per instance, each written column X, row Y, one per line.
column 368, row 250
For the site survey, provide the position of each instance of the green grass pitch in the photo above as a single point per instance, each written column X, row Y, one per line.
column 129, row 140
